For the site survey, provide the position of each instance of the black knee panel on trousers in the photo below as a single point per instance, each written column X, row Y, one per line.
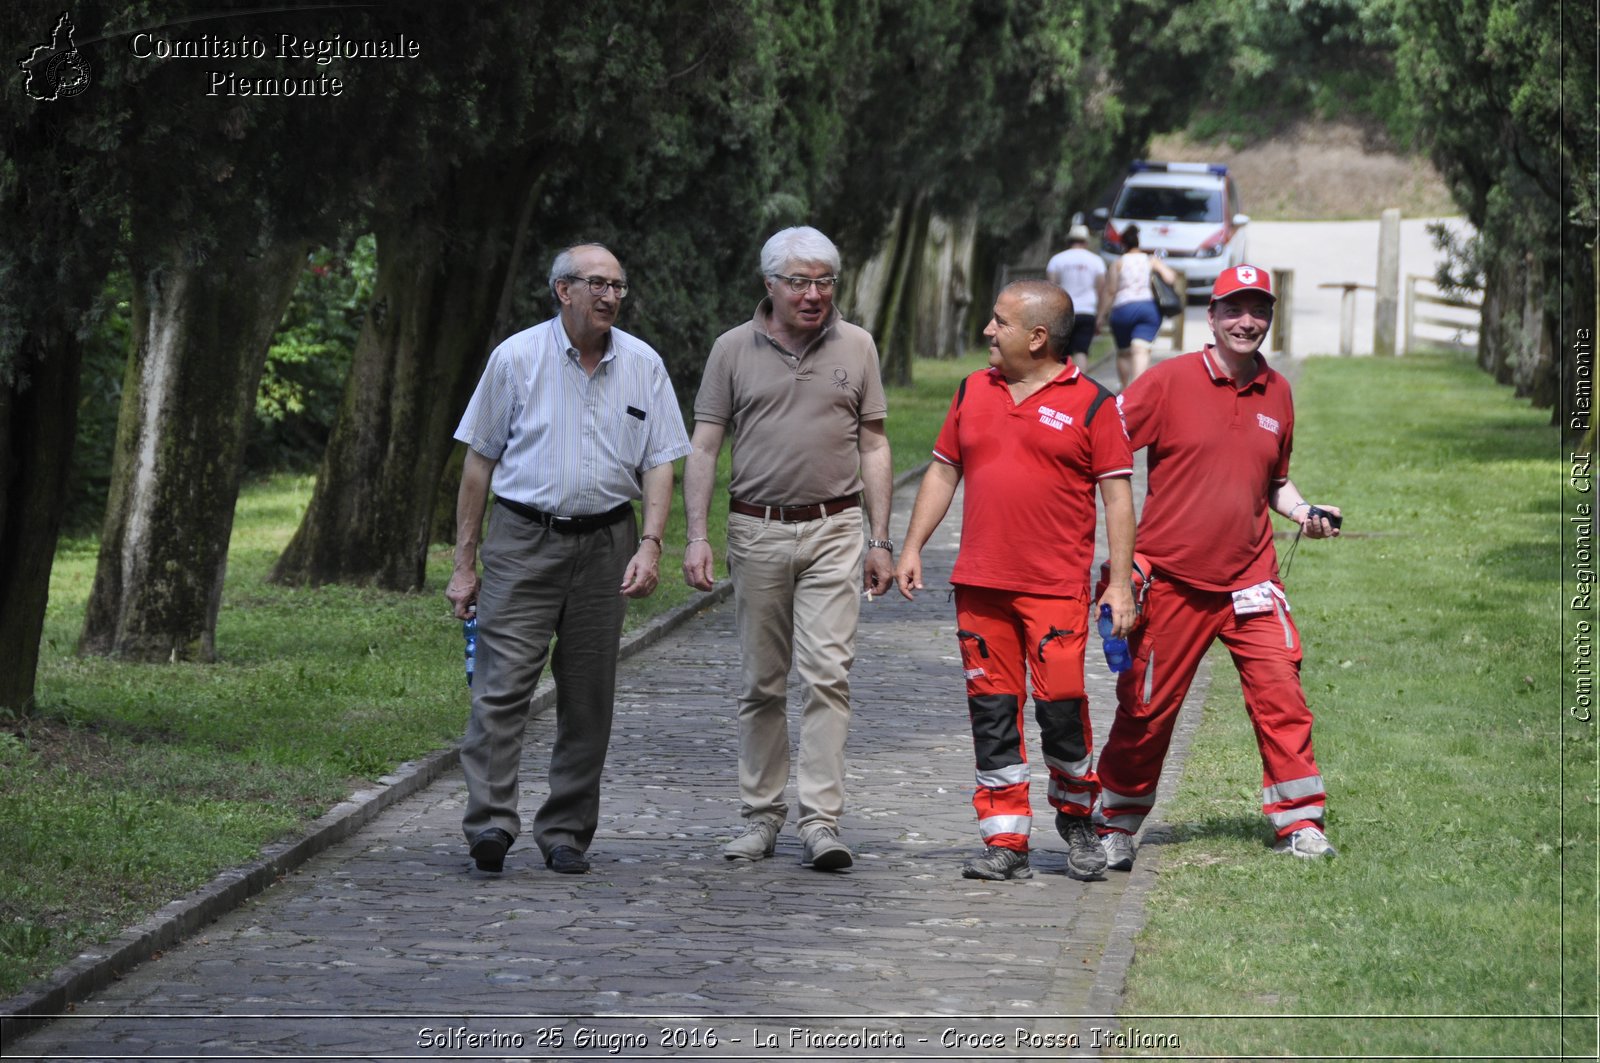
column 996, row 737
column 1061, row 728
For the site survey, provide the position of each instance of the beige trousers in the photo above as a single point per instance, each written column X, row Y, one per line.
column 797, row 600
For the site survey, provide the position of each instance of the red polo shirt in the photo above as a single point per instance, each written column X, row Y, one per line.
column 1216, row 451
column 1028, row 472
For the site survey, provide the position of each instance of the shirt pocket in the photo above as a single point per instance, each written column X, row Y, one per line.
column 629, row 428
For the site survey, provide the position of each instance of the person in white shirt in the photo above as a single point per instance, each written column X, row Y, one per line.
column 1082, row 275
column 572, row 422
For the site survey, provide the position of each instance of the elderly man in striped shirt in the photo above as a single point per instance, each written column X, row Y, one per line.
column 572, row 421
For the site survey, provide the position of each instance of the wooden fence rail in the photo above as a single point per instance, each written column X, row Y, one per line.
column 1420, row 311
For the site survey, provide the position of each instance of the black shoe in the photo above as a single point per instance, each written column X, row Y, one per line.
column 997, row 865
column 489, row 849
column 1086, row 860
column 565, row 860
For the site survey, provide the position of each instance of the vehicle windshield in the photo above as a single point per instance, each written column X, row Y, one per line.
column 1170, row 204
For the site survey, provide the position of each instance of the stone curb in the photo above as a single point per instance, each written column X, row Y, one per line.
column 1111, row 978
column 179, row 919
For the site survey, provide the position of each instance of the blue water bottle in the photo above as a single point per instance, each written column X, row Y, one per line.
column 1117, row 657
column 469, row 629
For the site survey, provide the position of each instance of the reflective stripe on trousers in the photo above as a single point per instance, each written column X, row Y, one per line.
column 1010, row 643
column 1180, row 625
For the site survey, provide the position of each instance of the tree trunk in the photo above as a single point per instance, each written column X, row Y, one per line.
column 38, row 423
column 1504, row 326
column 953, row 300
column 895, row 343
column 1488, row 318
column 201, row 333
column 1533, row 368
column 1541, row 377
column 864, row 295
column 442, row 274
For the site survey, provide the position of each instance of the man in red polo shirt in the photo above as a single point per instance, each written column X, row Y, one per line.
column 1029, row 438
column 1219, row 425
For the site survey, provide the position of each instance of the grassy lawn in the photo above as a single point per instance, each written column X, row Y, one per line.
column 1461, row 798
column 132, row 784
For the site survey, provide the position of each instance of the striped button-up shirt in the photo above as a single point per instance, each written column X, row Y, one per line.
column 566, row 442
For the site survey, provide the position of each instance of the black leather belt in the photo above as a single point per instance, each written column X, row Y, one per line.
column 567, row 525
column 795, row 514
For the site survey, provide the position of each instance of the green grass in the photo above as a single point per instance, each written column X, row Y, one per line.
column 132, row 784
column 1434, row 662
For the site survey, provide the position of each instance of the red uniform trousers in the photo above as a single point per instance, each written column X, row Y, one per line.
column 1179, row 626
column 1002, row 633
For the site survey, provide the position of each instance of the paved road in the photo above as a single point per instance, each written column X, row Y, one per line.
column 390, row 945
column 1329, row 252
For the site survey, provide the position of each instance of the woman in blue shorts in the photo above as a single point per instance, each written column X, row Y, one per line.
column 1134, row 317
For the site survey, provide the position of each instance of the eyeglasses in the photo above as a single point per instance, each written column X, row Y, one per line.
column 598, row 285
column 798, row 285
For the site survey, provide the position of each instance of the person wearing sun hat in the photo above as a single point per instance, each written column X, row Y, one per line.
column 1082, row 275
column 1218, row 428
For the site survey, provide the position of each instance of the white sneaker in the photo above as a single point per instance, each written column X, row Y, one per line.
column 1308, row 843
column 759, row 838
column 1118, row 847
column 825, row 852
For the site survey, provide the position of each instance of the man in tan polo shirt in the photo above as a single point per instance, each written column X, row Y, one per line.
column 800, row 388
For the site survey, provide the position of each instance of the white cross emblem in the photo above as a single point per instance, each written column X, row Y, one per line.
column 1247, row 274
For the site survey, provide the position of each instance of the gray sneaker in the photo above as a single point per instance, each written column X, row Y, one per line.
column 759, row 838
column 1118, row 848
column 1085, row 859
column 824, row 850
column 1308, row 843
column 997, row 864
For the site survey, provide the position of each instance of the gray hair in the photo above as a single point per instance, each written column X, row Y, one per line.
column 799, row 244
column 562, row 267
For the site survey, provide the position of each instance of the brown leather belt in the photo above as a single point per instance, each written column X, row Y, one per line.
column 795, row 514
column 567, row 525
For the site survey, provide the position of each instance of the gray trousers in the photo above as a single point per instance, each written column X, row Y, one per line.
column 537, row 585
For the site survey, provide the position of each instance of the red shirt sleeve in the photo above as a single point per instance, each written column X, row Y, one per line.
column 947, row 448
column 1109, row 452
column 1280, row 471
column 1138, row 405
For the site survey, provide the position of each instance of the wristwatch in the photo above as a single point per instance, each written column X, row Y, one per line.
column 881, row 544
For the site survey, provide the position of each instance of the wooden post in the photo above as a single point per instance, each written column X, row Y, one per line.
column 1183, row 303
column 1347, row 313
column 1347, row 321
column 1411, row 312
column 1388, row 307
column 1283, row 313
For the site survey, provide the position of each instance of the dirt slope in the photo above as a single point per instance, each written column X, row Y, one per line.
column 1317, row 172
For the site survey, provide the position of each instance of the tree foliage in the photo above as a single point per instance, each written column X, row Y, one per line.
column 681, row 134
column 1278, row 61
column 310, row 358
column 1512, row 128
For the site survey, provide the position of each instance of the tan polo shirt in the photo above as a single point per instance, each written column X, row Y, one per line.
column 796, row 419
